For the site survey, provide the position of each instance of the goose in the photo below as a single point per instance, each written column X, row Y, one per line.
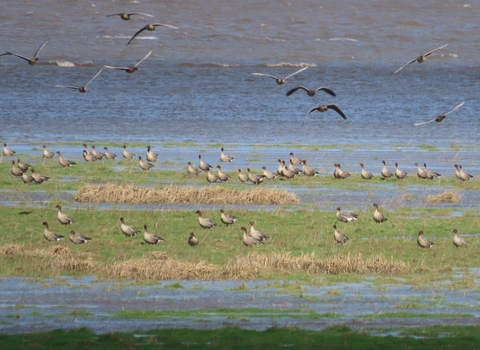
column 126, row 15
column 77, row 238
column 255, row 179
column 131, row 69
column 399, row 174
column 241, row 176
column 127, row 154
column 441, row 117
column 227, row 219
column 346, row 216
column 248, row 240
column 464, row 176
column 204, row 222
column 423, row 241
column 192, row 240
column 377, row 215
column 143, row 164
column 293, row 169
column 47, row 153
column 295, row 160
column 85, row 148
column 27, row 178
column 421, row 173
column 309, row 92
column 431, row 174
column 88, row 156
column 38, row 178
column 63, row 218
column 339, row 173
column 32, row 60
column 50, row 235
column 324, row 108
column 308, row 171
column 224, row 157
column 15, row 171
column 211, row 177
column 457, row 172
column 109, row 155
column 7, row 152
column 338, row 236
column 23, row 166
column 458, row 241
column 150, row 27
column 151, row 156
column 366, row 175
column 83, row 88
column 270, row 175
column 280, row 167
column 385, row 172
column 287, row 173
column 127, row 230
column 97, row 155
column 221, row 175
column 281, row 81
column 63, row 161
column 192, row 170
column 150, row 238
column 202, row 165
column 420, row 58
column 257, row 234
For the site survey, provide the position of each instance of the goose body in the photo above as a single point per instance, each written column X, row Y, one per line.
column 324, row 108
column 257, row 234
column 211, row 177
column 399, row 174
column 366, row 175
column 441, row 117
column 131, row 69
column 270, row 175
column 227, row 219
column 202, row 165
column 346, row 216
column 385, row 172
column 109, row 155
column 50, row 235
column 248, row 240
column 63, row 161
column 192, row 240
column 128, row 230
column 62, row 217
column 126, row 154
column 295, row 160
column 7, row 152
column 38, row 178
column 144, row 165
column 458, row 241
column 192, row 170
column 205, row 222
column 151, row 238
column 377, row 215
column 151, row 156
column 77, row 238
column 15, row 171
column 97, row 155
column 423, row 241
column 338, row 236
column 46, row 153
column 23, row 166
column 310, row 92
column 127, row 15
column 224, row 157
column 308, row 171
column 221, row 175
column 241, row 176
column 255, row 179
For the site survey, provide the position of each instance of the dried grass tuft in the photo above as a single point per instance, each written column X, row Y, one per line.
column 445, row 197
column 111, row 193
column 11, row 249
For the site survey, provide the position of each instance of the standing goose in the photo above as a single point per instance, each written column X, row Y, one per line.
column 340, row 173
column 32, row 60
column 377, row 215
column 346, row 216
column 109, row 155
column 308, row 171
column 324, row 108
column 77, row 238
column 131, row 69
column 248, row 240
column 63, row 161
column 281, row 81
column 150, row 27
column 97, row 155
column 385, row 172
column 204, row 222
column 270, row 175
column 293, row 169
column 150, row 238
column 221, row 175
column 287, row 173
column 421, row 173
column 88, row 156
column 192, row 240
column 227, row 219
column 47, row 153
column 127, row 230
column 420, row 59
column 225, row 158
column 257, row 234
column 63, row 218
column 241, row 176
column 338, row 236
column 83, row 88
column 126, row 15
column 423, row 241
column 441, row 117
column 255, row 179
column 15, row 171
column 38, row 178
column 127, row 154
column 366, row 175
column 85, row 148
column 143, row 164
column 295, row 160
column 309, row 92
column 192, row 170
column 7, row 152
column 431, row 174
column 280, row 167
column 457, row 171
column 202, row 165
column 464, row 176
column 151, row 156
column 458, row 241
column 23, row 166
column 50, row 235
column 27, row 179
column 211, row 177
column 399, row 174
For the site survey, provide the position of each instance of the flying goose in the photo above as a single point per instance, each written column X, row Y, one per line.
column 50, row 235
column 458, row 241
column 192, row 240
column 227, row 219
column 346, row 216
column 127, row 230
column 77, row 238
column 399, row 174
column 63, row 161
column 338, row 236
column 38, row 178
column 324, row 108
column 311, row 92
column 127, row 154
column 241, row 176
column 221, row 175
column 281, row 81
column 377, row 215
column 385, row 172
column 204, row 222
column 150, row 238
column 308, row 171
column 270, row 175
column 441, row 117
column 202, row 165
column 64, row 219
column 143, row 164
column 423, row 241
column 257, row 234
column 420, row 58
column 248, row 240
column 32, row 60
column 126, row 15
column 366, row 175
column 225, row 158
column 109, row 155
column 131, row 69
column 80, row 88
column 150, row 27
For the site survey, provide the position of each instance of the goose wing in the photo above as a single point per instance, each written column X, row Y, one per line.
column 455, row 108
column 164, row 25
column 40, row 48
column 119, row 68
column 68, row 87
column 298, row 71
column 310, row 111
column 327, row 90
column 266, row 75
column 430, row 52
column 406, row 64
column 96, row 75
column 143, row 59
column 295, row 89
column 136, row 33
column 338, row 110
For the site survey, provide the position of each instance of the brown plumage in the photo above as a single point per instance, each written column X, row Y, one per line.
column 127, row 230
column 241, row 176
column 63, row 161
column 423, row 241
column 83, row 88
column 131, row 69
column 192, row 240
column 221, row 175
column 205, row 222
column 309, row 92
column 143, row 164
column 109, row 155
column 77, row 238
column 338, row 236
column 385, row 172
column 281, row 81
column 126, row 15
column 32, row 60
column 50, row 235
column 150, row 27
column 377, row 215
column 248, row 240
column 64, row 219
column 257, row 234
column 225, row 158
column 420, row 59
column 324, row 108
column 227, row 219
column 151, row 238
column 15, row 171
column 192, row 170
